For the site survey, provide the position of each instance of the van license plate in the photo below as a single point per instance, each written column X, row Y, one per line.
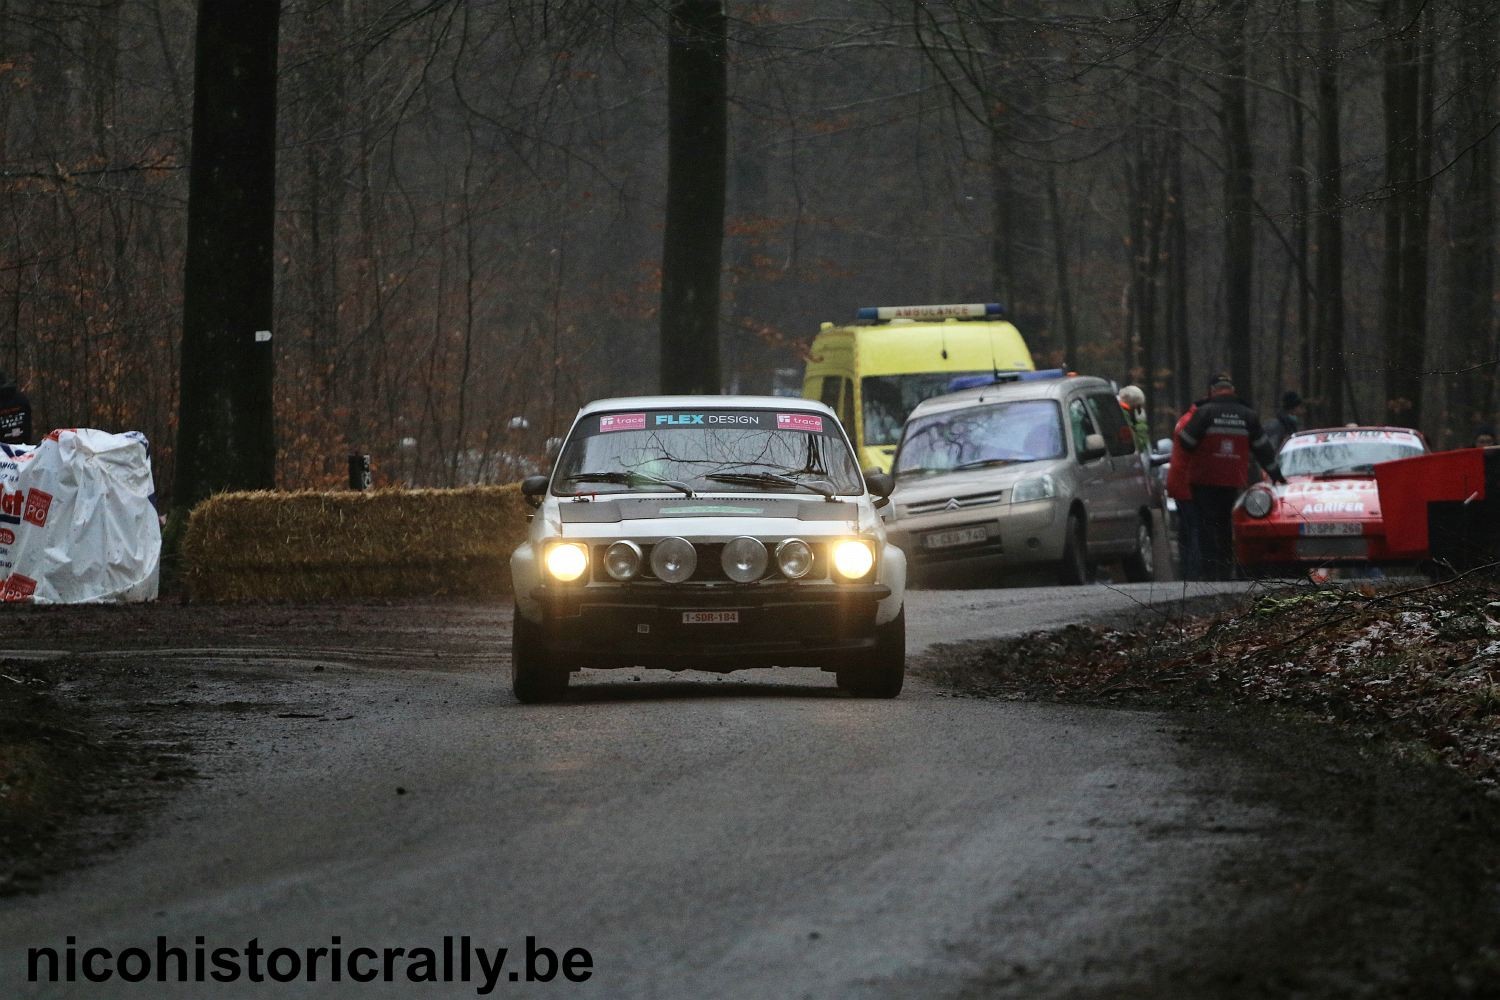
column 1326, row 528
column 957, row 536
column 710, row 618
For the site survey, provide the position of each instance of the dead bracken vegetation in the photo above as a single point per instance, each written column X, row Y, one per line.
column 1418, row 665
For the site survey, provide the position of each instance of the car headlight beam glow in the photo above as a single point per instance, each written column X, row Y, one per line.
column 853, row 558
column 567, row 561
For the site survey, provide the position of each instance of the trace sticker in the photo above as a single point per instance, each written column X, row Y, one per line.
column 622, row 422
column 799, row 422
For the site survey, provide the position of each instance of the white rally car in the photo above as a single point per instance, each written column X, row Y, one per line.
column 713, row 533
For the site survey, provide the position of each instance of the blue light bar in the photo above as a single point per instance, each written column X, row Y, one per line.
column 998, row 378
column 962, row 310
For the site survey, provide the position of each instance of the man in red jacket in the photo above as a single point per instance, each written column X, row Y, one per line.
column 1221, row 435
column 1180, row 489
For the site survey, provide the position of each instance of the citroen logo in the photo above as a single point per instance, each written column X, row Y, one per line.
column 952, row 504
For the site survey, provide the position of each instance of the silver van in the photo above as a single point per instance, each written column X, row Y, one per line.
column 1041, row 472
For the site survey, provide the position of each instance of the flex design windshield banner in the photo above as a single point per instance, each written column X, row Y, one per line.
column 78, row 519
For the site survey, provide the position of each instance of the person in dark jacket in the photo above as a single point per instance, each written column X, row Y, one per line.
column 1288, row 419
column 1222, row 435
column 15, row 413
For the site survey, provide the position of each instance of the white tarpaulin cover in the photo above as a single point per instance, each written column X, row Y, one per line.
column 78, row 519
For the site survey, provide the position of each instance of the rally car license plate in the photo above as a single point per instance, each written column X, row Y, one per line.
column 710, row 618
column 957, row 536
column 1326, row 528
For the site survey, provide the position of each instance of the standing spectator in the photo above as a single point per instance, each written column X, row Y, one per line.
column 1180, row 489
column 15, row 413
column 1221, row 435
column 1288, row 419
column 1133, row 402
column 1484, row 436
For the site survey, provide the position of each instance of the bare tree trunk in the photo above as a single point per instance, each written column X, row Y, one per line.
column 697, row 101
column 1471, row 258
column 1181, row 349
column 1407, row 100
column 1239, row 195
column 1328, row 373
column 1060, row 259
column 225, row 435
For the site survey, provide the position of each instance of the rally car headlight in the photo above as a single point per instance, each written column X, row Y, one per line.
column 673, row 559
column 1258, row 503
column 794, row 558
column 622, row 560
column 744, row 560
column 566, row 561
column 1038, row 488
column 853, row 558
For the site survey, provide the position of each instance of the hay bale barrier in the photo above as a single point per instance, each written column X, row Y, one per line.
column 301, row 546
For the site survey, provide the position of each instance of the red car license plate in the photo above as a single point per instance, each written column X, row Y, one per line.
column 1325, row 529
column 710, row 618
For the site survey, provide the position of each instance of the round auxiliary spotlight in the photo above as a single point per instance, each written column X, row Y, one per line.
column 673, row 559
column 794, row 558
column 744, row 560
column 622, row 560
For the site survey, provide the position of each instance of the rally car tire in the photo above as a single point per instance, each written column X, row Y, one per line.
column 1074, row 568
column 883, row 672
column 534, row 678
column 1140, row 565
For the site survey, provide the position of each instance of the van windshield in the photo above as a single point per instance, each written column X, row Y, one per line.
column 1027, row 430
column 722, row 451
column 887, row 400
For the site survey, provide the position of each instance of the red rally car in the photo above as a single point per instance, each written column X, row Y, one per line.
column 1328, row 513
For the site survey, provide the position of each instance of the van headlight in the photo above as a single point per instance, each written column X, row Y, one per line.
column 1258, row 502
column 566, row 561
column 853, row 558
column 1036, row 488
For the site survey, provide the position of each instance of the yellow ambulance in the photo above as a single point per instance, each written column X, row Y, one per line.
column 892, row 357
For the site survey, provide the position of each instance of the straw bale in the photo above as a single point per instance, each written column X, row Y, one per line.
column 309, row 545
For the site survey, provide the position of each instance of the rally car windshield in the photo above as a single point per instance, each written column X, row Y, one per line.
column 1349, row 455
column 976, row 436
column 723, row 451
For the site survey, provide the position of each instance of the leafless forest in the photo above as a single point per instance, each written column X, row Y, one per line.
column 469, row 205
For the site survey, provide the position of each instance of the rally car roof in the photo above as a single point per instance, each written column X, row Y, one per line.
column 699, row 402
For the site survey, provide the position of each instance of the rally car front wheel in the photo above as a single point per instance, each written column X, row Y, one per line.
column 534, row 677
column 883, row 671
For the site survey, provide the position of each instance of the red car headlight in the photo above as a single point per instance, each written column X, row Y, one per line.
column 1259, row 502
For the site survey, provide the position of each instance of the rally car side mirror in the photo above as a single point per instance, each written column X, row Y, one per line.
column 533, row 487
column 880, row 484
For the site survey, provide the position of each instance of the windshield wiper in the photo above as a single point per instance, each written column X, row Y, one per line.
column 818, row 486
column 628, row 479
column 1366, row 469
column 980, row 463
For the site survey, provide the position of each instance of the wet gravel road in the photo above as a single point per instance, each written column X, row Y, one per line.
column 365, row 780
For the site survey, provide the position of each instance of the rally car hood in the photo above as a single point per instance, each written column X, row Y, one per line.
column 709, row 516
column 1310, row 499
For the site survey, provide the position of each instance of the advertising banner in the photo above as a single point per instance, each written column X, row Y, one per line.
column 78, row 519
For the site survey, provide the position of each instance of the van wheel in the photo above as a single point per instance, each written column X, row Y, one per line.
column 1140, row 565
column 884, row 671
column 1074, row 568
column 534, row 677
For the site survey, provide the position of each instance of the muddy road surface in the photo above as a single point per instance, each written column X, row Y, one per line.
column 357, row 777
